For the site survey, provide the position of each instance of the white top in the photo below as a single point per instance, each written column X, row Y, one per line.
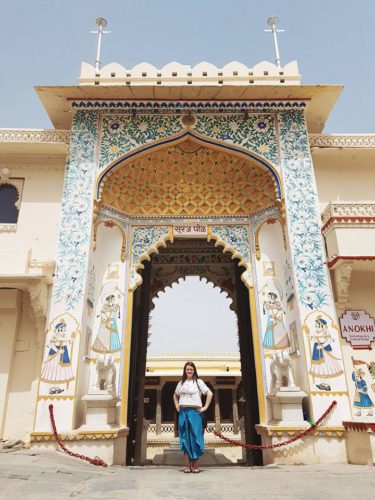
column 190, row 392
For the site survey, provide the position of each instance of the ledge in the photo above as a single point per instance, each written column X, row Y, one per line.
column 292, row 431
column 363, row 141
column 368, row 427
column 45, row 437
column 344, row 213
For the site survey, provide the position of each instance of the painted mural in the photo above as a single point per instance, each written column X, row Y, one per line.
column 107, row 340
column 254, row 132
column 360, row 372
column 58, row 371
column 276, row 336
column 321, row 341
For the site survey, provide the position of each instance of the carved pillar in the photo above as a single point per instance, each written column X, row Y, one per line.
column 217, row 410
column 342, row 277
column 314, row 298
column 62, row 342
column 158, row 411
column 235, row 411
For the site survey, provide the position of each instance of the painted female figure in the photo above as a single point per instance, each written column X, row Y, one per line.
column 188, row 402
column 57, row 367
column 276, row 336
column 362, row 400
column 323, row 364
column 107, row 339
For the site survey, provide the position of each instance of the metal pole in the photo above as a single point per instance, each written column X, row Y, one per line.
column 272, row 22
column 101, row 23
column 97, row 62
column 274, row 34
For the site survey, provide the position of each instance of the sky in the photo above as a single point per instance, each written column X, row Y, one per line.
column 192, row 316
column 43, row 42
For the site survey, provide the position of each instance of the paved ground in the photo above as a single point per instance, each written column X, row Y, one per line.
column 53, row 475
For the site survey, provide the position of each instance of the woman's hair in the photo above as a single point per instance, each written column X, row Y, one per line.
column 195, row 374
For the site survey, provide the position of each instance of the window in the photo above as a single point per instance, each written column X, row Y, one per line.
column 10, row 199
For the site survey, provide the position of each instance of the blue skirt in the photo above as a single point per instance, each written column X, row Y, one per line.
column 190, row 431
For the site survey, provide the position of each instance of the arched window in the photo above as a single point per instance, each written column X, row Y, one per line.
column 8, row 204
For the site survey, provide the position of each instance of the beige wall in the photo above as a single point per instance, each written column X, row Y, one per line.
column 362, row 291
column 37, row 222
column 347, row 175
column 24, row 375
column 9, row 319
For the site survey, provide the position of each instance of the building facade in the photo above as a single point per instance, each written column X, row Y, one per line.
column 151, row 175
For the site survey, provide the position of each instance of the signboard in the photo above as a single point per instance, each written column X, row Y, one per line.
column 358, row 328
column 190, row 231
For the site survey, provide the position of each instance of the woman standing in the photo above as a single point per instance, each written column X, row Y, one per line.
column 188, row 402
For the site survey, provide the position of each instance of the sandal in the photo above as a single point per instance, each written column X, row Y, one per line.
column 187, row 470
column 195, row 471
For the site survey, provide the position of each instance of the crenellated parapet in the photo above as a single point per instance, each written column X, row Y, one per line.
column 203, row 73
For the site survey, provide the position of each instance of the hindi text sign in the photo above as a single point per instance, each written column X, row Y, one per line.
column 190, row 231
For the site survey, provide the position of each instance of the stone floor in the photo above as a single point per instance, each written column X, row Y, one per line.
column 34, row 475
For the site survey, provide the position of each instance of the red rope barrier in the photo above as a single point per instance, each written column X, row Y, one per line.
column 95, row 461
column 284, row 443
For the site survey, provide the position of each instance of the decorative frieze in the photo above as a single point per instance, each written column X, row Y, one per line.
column 342, row 141
column 348, row 212
column 342, row 274
column 34, row 135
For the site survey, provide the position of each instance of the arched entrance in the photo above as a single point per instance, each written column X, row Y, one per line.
column 187, row 179
column 172, row 262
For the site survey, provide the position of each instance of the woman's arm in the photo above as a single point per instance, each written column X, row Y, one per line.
column 176, row 401
column 209, row 396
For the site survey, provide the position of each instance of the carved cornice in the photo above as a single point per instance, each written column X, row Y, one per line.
column 342, row 274
column 368, row 427
column 39, row 302
column 8, row 228
column 342, row 141
column 35, row 136
column 344, row 213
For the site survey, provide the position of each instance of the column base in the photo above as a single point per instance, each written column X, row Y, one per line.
column 322, row 445
column 100, row 409
column 107, row 444
column 287, row 406
column 360, row 442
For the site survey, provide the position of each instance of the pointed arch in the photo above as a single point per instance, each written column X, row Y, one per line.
column 200, row 139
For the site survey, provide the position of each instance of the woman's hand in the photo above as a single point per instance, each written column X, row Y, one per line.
column 202, row 410
column 178, row 408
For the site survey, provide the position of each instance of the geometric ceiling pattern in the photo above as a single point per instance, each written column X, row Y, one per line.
column 188, row 179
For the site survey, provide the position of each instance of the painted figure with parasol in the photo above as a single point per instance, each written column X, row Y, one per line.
column 362, row 400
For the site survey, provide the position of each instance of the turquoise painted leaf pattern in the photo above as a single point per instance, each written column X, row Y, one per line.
column 256, row 133
column 120, row 134
column 76, row 212
column 303, row 211
column 144, row 238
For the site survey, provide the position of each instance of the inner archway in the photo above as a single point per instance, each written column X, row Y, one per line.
column 167, row 259
column 188, row 178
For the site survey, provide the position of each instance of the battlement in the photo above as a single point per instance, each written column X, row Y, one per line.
column 203, row 73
